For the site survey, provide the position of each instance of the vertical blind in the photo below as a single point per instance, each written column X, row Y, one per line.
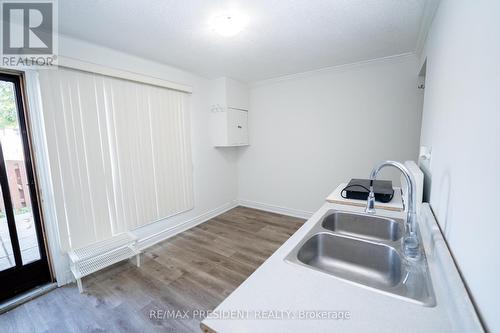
column 119, row 153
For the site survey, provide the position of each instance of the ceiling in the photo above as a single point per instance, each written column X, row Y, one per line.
column 281, row 36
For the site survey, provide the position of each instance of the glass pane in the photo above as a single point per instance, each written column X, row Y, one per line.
column 6, row 253
column 10, row 136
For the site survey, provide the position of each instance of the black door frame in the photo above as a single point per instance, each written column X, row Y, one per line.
column 21, row 277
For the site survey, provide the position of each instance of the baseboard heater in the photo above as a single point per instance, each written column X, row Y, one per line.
column 96, row 256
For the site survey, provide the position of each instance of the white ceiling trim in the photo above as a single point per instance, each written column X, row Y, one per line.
column 121, row 74
column 430, row 9
column 337, row 68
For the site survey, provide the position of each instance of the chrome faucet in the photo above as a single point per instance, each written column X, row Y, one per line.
column 410, row 239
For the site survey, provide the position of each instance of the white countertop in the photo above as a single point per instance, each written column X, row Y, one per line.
column 279, row 286
column 396, row 204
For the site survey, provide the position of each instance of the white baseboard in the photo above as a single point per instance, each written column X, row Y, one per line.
column 275, row 209
column 150, row 240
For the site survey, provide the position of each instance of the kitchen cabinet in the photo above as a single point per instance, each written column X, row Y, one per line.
column 229, row 113
column 229, row 127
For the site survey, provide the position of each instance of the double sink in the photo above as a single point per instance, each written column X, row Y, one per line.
column 365, row 250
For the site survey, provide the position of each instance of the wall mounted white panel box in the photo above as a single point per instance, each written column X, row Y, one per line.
column 229, row 127
column 229, row 113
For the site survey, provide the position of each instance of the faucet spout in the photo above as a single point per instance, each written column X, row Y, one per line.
column 370, row 203
column 410, row 239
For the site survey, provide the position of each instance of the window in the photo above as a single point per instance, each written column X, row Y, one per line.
column 120, row 153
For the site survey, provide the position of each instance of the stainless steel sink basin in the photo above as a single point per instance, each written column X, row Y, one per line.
column 372, row 227
column 356, row 260
column 365, row 250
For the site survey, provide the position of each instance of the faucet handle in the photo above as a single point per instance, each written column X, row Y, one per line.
column 370, row 202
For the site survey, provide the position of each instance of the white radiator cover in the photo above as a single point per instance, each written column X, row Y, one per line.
column 120, row 153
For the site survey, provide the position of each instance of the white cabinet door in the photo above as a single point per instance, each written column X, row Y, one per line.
column 242, row 126
column 237, row 127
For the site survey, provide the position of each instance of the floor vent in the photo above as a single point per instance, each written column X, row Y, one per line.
column 99, row 255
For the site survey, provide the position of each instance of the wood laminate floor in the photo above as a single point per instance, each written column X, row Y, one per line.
column 193, row 271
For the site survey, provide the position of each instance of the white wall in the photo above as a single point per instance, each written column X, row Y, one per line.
column 215, row 171
column 461, row 122
column 311, row 131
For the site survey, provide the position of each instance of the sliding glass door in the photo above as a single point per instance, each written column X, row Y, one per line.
column 23, row 259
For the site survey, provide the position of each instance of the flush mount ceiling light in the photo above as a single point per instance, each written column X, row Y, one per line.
column 228, row 24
